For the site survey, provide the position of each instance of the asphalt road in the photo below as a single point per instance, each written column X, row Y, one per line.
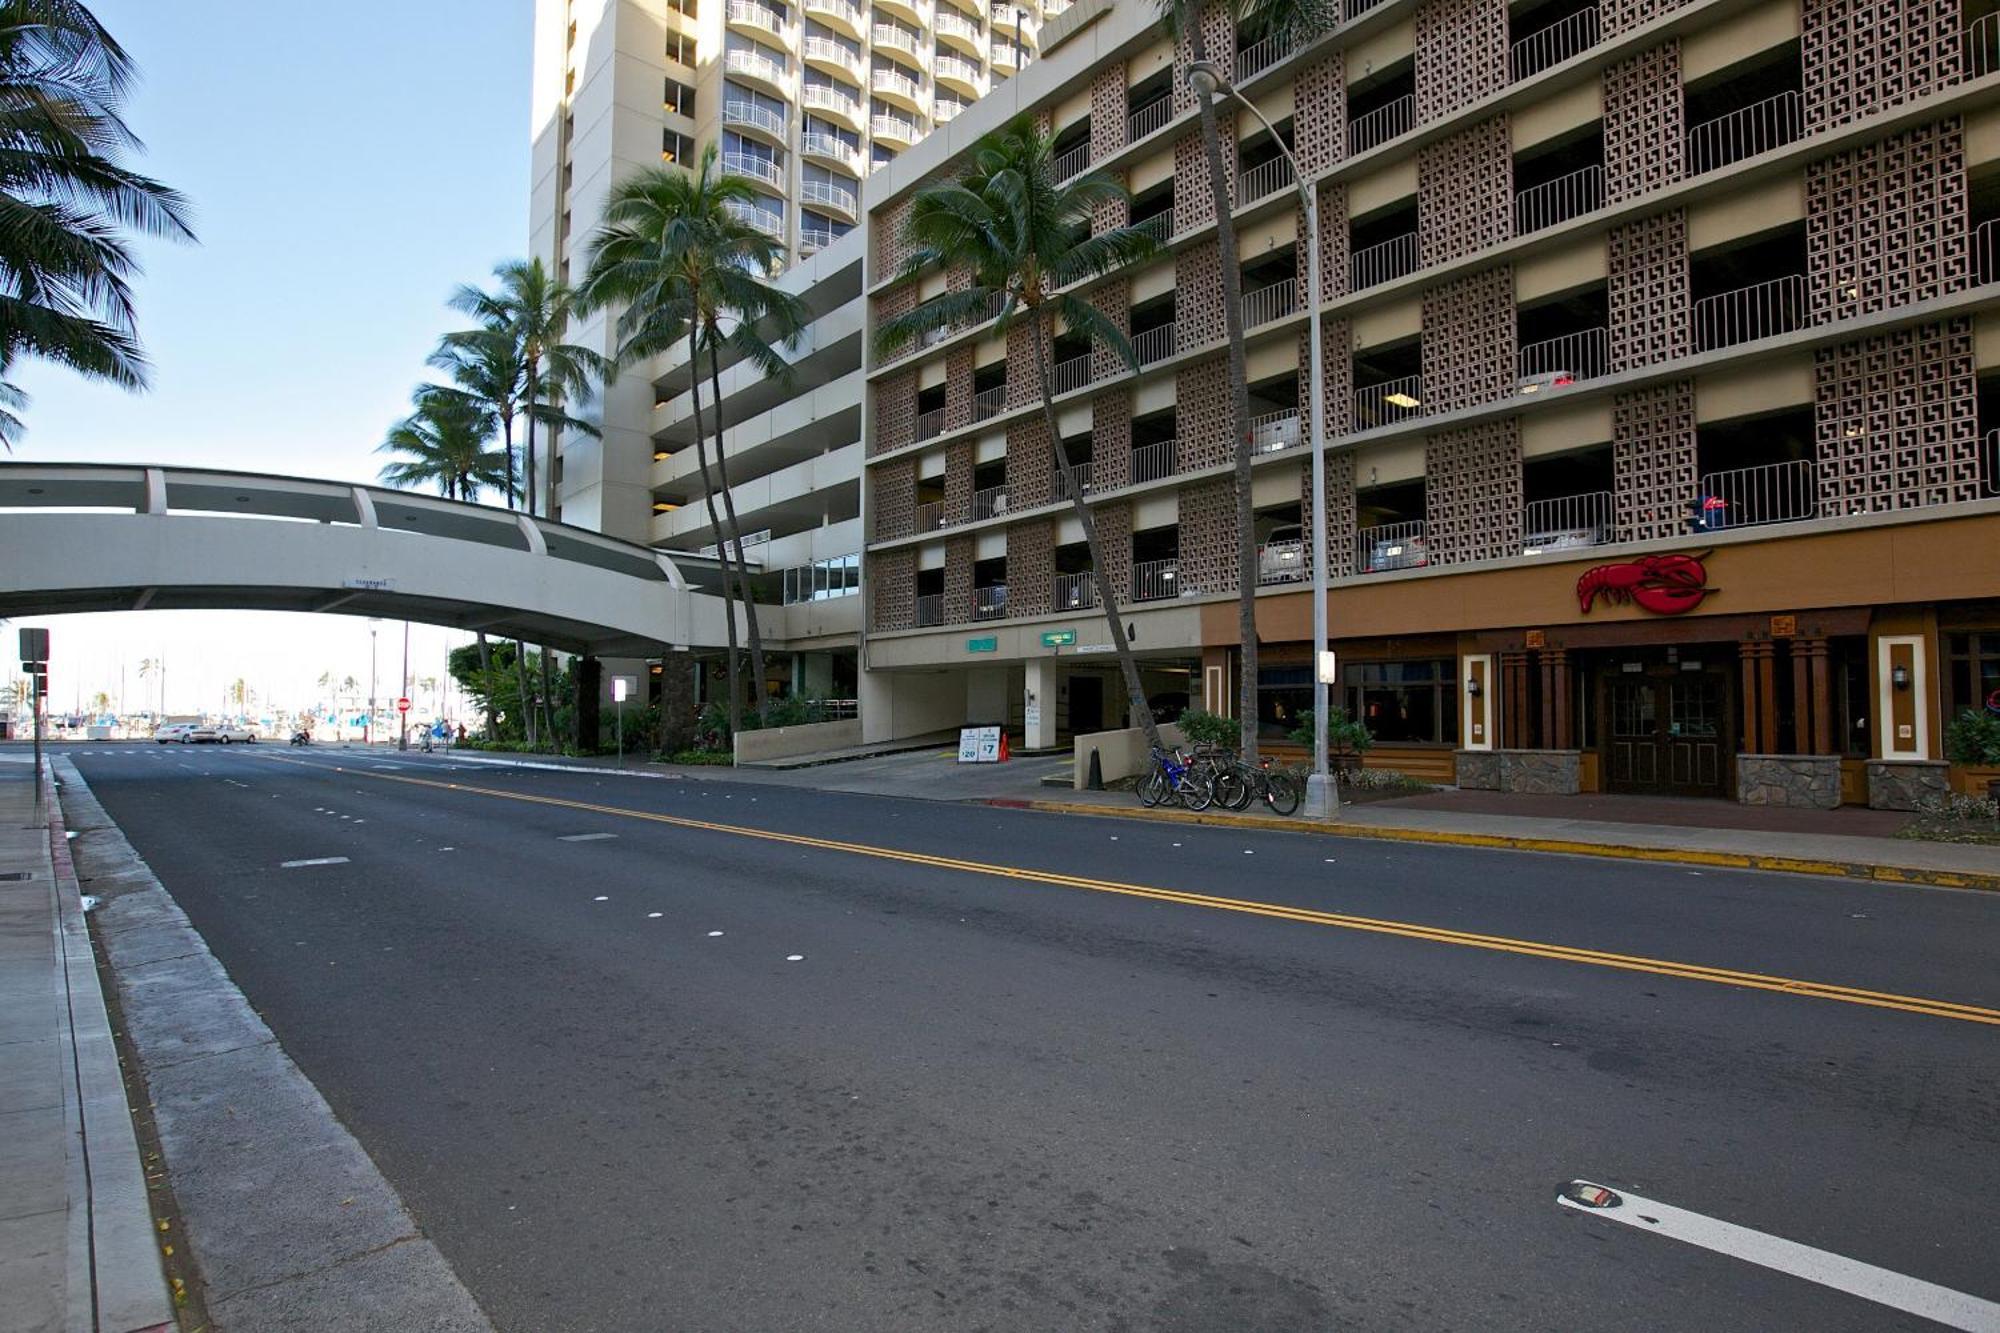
column 645, row 1073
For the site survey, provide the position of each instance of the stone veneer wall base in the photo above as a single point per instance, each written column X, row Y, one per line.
column 1901, row 784
column 1539, row 772
column 1796, row 781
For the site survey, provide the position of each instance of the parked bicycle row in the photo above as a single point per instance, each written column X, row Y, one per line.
column 1203, row 775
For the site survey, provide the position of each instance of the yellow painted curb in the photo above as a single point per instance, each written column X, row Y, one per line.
column 1795, row 865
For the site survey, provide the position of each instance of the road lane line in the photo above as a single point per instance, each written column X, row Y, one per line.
column 1954, row 1309
column 584, row 837
column 313, row 861
column 1819, row 990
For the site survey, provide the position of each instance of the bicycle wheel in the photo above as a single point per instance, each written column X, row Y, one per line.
column 1153, row 788
column 1281, row 792
column 1196, row 791
column 1232, row 790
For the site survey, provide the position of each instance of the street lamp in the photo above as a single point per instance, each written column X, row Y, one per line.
column 368, row 724
column 403, row 718
column 1322, row 796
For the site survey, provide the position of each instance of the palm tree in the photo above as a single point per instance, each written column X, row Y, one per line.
column 444, row 444
column 156, row 666
column 485, row 364
column 1294, row 21
column 67, row 200
column 1026, row 240
column 675, row 255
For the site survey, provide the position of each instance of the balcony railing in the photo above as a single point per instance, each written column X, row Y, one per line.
column 833, row 53
column 1148, row 118
column 821, row 97
column 956, row 25
column 1761, row 310
column 989, row 402
column 990, row 502
column 1073, row 163
column 895, row 127
column 1559, row 200
column 1076, row 481
column 1282, row 562
column 1381, row 125
column 1155, row 344
column 1749, row 496
column 1003, row 53
column 1989, row 462
column 760, row 118
column 1155, row 580
column 756, row 168
column 1073, row 592
column 1579, row 356
column 896, row 82
column 1274, row 431
column 1155, row 462
column 754, row 65
column 1554, row 44
column 763, row 219
column 1565, row 523
column 1746, row 132
column 930, row 516
column 840, row 9
column 1270, row 303
column 1071, row 375
column 813, row 239
column 956, row 67
column 1354, row 9
column 831, row 146
column 1385, row 261
column 1389, row 401
column 930, row 424
column 930, row 609
column 1260, row 56
column 944, row 110
column 1390, row 546
column 828, row 195
column 1986, row 251
column 990, row 602
column 755, row 15
column 1157, row 226
column 894, row 38
column 1982, row 46
column 1266, row 178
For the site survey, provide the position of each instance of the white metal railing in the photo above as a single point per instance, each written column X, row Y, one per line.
column 840, row 9
column 894, row 81
column 990, row 602
column 1282, row 562
column 1745, row 132
column 930, row 516
column 813, row 239
column 989, row 402
column 1580, row 356
column 1155, row 580
column 1073, row 592
column 1381, row 125
column 1154, row 462
column 1761, row 310
column 1989, row 462
column 893, row 37
column 831, row 146
column 1390, row 546
column 989, row 502
column 761, row 118
column 1559, row 200
column 958, row 67
column 761, row 537
column 1148, row 118
column 895, row 127
column 827, row 194
column 945, row 110
column 1155, row 344
column 755, row 15
column 1354, row 9
column 1074, row 162
column 768, row 221
column 1264, row 179
column 1273, row 431
column 930, row 424
column 1391, row 400
column 930, row 609
column 1156, row 226
column 833, row 53
column 1261, row 55
column 1986, row 249
column 1075, row 481
column 1565, row 523
column 1982, row 46
column 1553, row 45
column 1003, row 54
column 824, row 98
column 1384, row 261
column 1068, row 376
column 1270, row 303
column 1748, row 496
column 755, row 65
column 756, row 168
column 956, row 25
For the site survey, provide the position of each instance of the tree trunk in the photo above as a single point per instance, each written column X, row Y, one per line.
column 486, row 686
column 736, row 535
column 715, row 526
column 521, row 693
column 507, row 444
column 1135, row 689
column 1239, row 401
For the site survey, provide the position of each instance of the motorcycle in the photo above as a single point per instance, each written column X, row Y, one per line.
column 302, row 738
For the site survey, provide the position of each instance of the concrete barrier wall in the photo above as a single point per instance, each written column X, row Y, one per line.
column 1120, row 754
column 786, row 742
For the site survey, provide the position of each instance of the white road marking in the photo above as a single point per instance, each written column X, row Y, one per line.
column 654, row 916
column 585, row 837
column 713, row 934
column 795, row 958
column 314, row 861
column 601, row 898
column 447, row 849
column 1955, row 1309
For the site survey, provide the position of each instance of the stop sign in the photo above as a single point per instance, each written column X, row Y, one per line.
column 403, row 705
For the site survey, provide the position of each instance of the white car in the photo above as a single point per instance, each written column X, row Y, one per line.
column 170, row 732
column 225, row 732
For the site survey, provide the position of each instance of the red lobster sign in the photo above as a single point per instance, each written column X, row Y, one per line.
column 1666, row 585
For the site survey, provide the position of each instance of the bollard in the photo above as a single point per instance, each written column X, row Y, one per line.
column 1096, row 779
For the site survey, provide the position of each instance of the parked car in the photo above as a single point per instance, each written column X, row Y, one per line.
column 200, row 733
column 225, row 732
column 172, row 732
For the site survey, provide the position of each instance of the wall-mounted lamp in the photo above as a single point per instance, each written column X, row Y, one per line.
column 1900, row 677
column 1472, row 689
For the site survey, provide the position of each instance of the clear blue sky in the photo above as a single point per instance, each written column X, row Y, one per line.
column 350, row 164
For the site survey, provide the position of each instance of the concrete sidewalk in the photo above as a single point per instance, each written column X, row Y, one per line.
column 77, row 1248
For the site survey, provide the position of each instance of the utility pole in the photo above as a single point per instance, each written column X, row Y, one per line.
column 403, row 718
column 368, row 723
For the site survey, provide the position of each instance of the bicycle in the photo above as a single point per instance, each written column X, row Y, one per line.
column 1174, row 778
column 1275, row 787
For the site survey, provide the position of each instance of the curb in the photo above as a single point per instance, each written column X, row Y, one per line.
column 1790, row 865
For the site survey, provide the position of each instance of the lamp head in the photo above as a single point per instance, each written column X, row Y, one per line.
column 1206, row 77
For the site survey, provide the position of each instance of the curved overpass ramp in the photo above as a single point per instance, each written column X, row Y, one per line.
column 106, row 538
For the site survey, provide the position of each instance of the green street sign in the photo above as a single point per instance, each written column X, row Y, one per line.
column 985, row 645
column 1058, row 638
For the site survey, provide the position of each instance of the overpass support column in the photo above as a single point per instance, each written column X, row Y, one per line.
column 1040, row 703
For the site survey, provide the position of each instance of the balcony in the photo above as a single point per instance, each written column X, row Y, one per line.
column 1353, row 9
column 759, row 119
column 895, row 83
column 1074, row 162
column 813, row 239
column 990, row 602
column 1152, row 116
column 961, row 73
column 1982, row 46
column 1155, row 580
column 956, row 26
column 820, row 97
column 1744, row 133
column 1986, row 252
column 826, row 194
column 749, row 14
column 930, row 424
column 769, row 222
column 752, row 65
column 1383, row 262
column 889, row 37
column 1268, row 304
column 1004, row 56
column 1554, row 362
column 1254, row 59
column 930, row 610
column 1553, row 202
column 840, row 12
column 1282, row 562
column 1552, row 45
column 1157, row 226
column 930, row 516
column 1073, row 592
column 751, row 167
column 1266, row 178
column 1381, row 125
column 1389, row 402
column 1154, row 345
column 830, row 148
column 989, row 502
column 1074, row 482
column 1274, row 431
column 896, row 128
column 1155, row 462
column 988, row 403
column 1070, row 375
column 1566, row 523
column 1761, row 310
column 1747, row 497
column 826, row 51
column 1390, row 546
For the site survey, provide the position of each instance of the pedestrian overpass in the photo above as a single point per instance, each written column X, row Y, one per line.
column 90, row 537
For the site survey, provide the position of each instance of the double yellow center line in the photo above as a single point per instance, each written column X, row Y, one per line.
column 1818, row 990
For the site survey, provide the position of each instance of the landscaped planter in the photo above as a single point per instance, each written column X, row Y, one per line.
column 1974, row 779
